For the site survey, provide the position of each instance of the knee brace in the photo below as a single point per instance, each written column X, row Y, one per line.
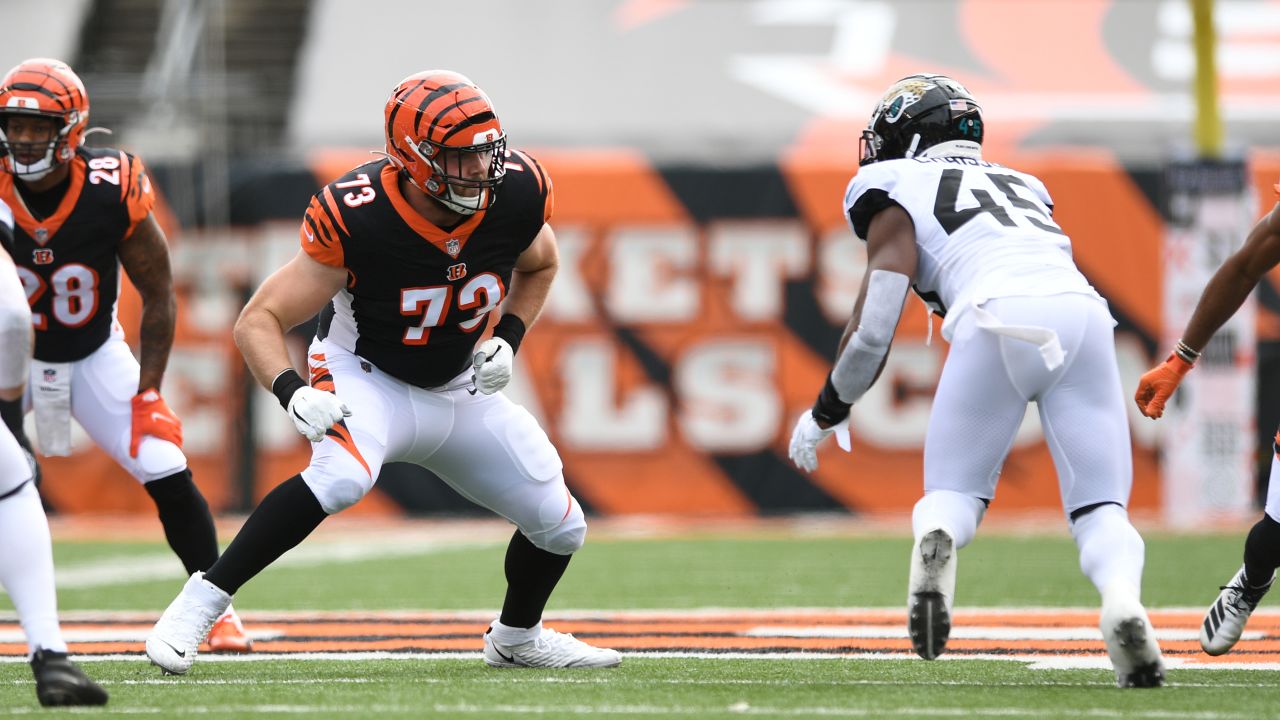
column 337, row 479
column 561, row 529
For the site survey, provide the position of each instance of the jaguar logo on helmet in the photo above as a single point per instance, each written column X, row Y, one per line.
column 923, row 116
column 901, row 96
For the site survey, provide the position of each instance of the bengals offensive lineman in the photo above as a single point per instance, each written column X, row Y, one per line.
column 405, row 258
column 80, row 214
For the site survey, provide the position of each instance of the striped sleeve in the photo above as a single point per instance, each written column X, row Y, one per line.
column 544, row 182
column 139, row 195
column 323, row 229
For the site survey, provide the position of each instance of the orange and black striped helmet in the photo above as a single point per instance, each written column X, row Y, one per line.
column 442, row 131
column 43, row 87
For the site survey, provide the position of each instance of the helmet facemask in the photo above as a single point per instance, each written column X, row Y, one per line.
column 56, row 150
column 463, row 177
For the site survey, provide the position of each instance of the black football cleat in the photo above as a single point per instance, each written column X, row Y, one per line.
column 60, row 682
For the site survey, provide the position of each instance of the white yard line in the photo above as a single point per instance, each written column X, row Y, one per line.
column 612, row 680
column 968, row 632
column 740, row 709
column 1034, row 662
column 126, row 569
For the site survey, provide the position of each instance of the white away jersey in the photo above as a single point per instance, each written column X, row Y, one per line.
column 983, row 231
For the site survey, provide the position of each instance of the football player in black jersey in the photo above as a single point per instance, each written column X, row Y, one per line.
column 405, row 258
column 80, row 214
column 26, row 552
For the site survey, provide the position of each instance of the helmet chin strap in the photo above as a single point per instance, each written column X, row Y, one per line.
column 460, row 205
column 466, row 205
column 911, row 151
column 37, row 170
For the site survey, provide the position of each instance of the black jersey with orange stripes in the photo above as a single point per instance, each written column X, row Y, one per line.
column 418, row 296
column 68, row 261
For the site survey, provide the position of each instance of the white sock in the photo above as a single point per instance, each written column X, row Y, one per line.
column 958, row 513
column 26, row 568
column 1111, row 550
column 507, row 635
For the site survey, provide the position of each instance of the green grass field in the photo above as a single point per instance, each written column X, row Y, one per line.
column 737, row 568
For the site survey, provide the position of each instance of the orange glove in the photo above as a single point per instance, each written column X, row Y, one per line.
column 1158, row 383
column 152, row 417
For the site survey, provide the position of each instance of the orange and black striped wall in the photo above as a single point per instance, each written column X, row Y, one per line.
column 695, row 316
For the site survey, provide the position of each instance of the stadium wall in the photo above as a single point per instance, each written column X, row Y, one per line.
column 695, row 315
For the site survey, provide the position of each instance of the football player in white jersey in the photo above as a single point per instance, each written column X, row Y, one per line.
column 1226, row 292
column 977, row 242
column 26, row 552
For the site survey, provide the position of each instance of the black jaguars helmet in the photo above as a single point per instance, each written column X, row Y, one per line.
column 919, row 113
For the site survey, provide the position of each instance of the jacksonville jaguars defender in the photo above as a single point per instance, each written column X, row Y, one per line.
column 26, row 551
column 978, row 243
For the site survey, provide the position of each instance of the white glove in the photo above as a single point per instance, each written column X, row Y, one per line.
column 492, row 363
column 807, row 435
column 315, row 411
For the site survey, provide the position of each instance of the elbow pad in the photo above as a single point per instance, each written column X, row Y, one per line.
column 858, row 364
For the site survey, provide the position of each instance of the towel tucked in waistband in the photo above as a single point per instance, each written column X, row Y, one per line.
column 1044, row 339
column 51, row 401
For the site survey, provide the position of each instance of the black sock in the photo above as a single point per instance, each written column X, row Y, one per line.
column 283, row 519
column 188, row 524
column 532, row 574
column 1262, row 551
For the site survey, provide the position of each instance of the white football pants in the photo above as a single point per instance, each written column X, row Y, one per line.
column 486, row 447
column 102, row 388
column 988, row 379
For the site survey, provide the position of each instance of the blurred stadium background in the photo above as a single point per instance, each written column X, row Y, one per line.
column 699, row 149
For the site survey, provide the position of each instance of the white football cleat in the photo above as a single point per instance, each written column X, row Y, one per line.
column 173, row 642
column 1130, row 639
column 549, row 650
column 930, row 589
column 1224, row 622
